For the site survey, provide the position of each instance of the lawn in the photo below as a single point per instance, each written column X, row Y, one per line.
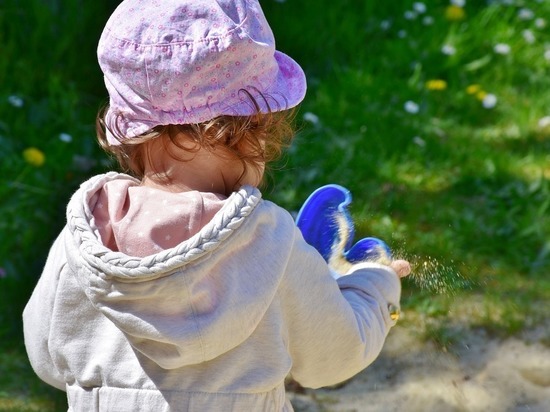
column 435, row 114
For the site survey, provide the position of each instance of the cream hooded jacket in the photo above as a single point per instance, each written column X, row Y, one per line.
column 213, row 324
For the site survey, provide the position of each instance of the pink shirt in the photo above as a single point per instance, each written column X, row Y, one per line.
column 141, row 221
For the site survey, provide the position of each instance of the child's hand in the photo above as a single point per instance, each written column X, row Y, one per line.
column 401, row 267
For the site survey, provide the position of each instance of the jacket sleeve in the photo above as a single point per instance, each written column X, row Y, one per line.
column 336, row 328
column 37, row 317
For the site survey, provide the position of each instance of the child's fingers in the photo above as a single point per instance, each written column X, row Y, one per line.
column 401, row 267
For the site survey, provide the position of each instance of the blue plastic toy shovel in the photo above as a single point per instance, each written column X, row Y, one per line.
column 326, row 224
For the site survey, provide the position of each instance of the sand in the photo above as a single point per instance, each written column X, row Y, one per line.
column 478, row 372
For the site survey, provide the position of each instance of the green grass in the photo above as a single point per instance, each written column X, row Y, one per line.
column 459, row 186
column 461, row 190
column 20, row 390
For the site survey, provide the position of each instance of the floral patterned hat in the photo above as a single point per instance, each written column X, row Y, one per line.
column 189, row 61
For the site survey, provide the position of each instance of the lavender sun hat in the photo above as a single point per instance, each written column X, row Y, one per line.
column 188, row 61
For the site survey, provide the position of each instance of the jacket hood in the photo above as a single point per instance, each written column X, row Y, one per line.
column 184, row 305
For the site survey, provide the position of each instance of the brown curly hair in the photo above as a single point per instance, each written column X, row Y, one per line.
column 252, row 140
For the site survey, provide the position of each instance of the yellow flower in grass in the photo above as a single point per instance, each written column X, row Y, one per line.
column 454, row 13
column 481, row 95
column 34, row 156
column 436, row 84
column 473, row 89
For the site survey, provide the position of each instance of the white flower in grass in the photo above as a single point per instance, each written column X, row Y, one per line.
column 458, row 3
column 402, row 34
column 544, row 122
column 15, row 101
column 410, row 15
column 65, row 137
column 547, row 55
column 528, row 36
column 540, row 23
column 311, row 118
column 502, row 48
column 448, row 50
column 417, row 140
column 385, row 24
column 489, row 101
column 419, row 7
column 428, row 20
column 526, row 14
column 411, row 107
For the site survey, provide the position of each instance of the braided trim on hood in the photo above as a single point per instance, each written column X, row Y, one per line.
column 81, row 224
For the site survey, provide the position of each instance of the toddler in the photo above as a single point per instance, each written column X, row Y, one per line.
column 179, row 288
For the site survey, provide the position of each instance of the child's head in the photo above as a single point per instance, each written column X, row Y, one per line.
column 195, row 74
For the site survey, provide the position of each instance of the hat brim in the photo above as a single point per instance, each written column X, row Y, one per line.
column 286, row 91
column 291, row 81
